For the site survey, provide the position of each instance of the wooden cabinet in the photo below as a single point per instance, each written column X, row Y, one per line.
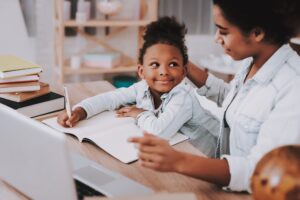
column 147, row 14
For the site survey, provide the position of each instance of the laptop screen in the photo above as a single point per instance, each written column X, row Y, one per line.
column 34, row 158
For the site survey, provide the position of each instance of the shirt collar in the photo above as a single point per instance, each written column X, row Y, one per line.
column 147, row 92
column 273, row 64
column 178, row 87
column 269, row 69
column 240, row 75
column 145, row 89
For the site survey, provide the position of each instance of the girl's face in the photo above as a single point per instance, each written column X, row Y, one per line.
column 162, row 68
column 230, row 37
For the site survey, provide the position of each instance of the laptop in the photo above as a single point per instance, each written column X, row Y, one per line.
column 35, row 160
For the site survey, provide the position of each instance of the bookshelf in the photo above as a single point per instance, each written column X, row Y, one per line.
column 147, row 13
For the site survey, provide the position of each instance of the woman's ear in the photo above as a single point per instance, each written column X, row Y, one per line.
column 258, row 34
column 140, row 71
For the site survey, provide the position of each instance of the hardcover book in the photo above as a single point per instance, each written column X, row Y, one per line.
column 45, row 104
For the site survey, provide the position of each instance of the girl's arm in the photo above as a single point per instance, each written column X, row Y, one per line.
column 157, row 154
column 109, row 100
column 176, row 112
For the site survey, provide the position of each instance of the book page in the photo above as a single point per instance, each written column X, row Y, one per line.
column 109, row 133
column 94, row 125
column 115, row 141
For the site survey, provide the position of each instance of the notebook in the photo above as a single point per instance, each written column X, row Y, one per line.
column 110, row 133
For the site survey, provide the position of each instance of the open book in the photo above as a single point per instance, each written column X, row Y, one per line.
column 109, row 133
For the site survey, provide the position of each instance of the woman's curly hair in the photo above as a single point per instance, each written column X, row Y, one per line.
column 167, row 30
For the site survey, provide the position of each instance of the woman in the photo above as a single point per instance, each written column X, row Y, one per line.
column 261, row 104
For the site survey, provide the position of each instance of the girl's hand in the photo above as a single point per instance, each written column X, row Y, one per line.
column 157, row 154
column 129, row 111
column 77, row 115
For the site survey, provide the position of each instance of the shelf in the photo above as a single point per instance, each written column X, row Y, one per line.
column 148, row 12
column 89, row 70
column 101, row 23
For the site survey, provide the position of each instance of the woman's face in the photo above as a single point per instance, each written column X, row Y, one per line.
column 230, row 37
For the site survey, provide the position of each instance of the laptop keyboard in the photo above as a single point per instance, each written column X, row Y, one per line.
column 85, row 191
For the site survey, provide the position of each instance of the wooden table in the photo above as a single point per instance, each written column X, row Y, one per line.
column 160, row 182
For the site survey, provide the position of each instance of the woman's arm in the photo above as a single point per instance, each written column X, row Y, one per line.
column 157, row 154
column 281, row 127
column 196, row 75
column 216, row 89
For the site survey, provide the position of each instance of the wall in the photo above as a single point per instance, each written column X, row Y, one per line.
column 13, row 35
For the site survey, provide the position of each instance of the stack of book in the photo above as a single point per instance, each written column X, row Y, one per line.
column 21, row 89
column 18, row 75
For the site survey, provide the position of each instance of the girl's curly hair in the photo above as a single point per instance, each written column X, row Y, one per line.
column 167, row 30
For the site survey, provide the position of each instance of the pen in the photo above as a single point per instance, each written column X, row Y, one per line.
column 67, row 101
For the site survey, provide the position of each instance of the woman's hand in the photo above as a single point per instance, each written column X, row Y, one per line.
column 196, row 75
column 77, row 115
column 129, row 111
column 157, row 154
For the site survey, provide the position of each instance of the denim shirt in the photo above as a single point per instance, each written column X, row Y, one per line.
column 179, row 111
column 268, row 114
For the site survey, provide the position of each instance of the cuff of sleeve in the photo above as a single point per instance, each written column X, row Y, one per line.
column 239, row 173
column 141, row 117
column 208, row 84
column 88, row 114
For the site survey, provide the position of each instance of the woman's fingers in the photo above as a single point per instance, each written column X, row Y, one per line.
column 144, row 141
column 148, row 139
column 151, row 160
column 153, row 157
column 154, row 152
column 149, row 164
column 152, row 149
column 150, row 145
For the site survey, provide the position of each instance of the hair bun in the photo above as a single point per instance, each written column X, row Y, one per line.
column 164, row 28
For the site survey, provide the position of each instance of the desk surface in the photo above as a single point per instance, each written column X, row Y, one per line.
column 160, row 182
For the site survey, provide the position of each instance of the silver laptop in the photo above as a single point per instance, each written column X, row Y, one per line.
column 35, row 160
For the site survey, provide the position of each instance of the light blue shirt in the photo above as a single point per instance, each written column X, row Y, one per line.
column 266, row 113
column 179, row 111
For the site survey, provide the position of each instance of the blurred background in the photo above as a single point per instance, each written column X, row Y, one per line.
column 30, row 29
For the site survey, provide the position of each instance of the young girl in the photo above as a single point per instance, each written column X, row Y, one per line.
column 165, row 104
column 261, row 105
